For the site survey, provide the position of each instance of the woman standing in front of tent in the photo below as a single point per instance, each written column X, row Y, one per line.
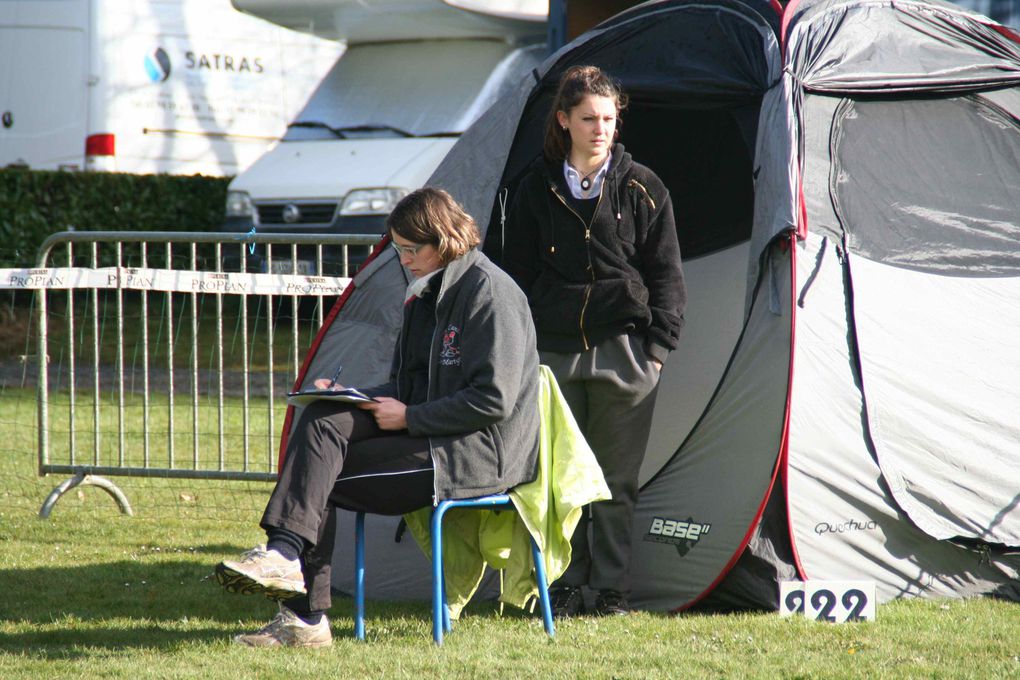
column 592, row 242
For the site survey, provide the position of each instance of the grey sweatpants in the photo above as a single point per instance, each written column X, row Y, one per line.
column 611, row 392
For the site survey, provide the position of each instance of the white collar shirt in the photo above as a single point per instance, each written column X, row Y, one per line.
column 573, row 178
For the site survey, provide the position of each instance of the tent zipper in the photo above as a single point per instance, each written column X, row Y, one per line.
column 587, row 247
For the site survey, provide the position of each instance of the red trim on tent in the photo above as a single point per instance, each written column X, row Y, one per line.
column 1006, row 31
column 288, row 419
column 743, row 542
column 787, row 14
column 790, row 246
column 801, row 206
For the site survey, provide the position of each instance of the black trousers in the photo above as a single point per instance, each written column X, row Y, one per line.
column 338, row 457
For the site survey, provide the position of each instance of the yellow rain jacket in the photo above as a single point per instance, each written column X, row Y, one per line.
column 548, row 509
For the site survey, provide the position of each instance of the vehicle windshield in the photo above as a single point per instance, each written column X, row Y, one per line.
column 424, row 88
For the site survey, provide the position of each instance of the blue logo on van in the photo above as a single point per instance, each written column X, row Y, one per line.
column 157, row 65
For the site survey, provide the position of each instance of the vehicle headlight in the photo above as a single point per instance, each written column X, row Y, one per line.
column 372, row 201
column 239, row 205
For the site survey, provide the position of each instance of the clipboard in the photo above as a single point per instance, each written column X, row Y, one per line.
column 349, row 395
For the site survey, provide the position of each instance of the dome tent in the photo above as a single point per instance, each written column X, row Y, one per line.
column 768, row 458
column 903, row 456
column 697, row 75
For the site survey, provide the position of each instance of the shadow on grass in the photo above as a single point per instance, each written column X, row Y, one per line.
column 158, row 601
column 163, row 601
column 164, row 587
column 81, row 639
column 80, row 643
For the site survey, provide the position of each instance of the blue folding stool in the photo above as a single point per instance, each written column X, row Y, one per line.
column 440, row 610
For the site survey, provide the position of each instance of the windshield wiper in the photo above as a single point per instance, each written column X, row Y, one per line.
column 376, row 128
column 341, row 131
column 318, row 124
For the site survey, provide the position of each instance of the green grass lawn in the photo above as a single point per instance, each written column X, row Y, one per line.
column 91, row 593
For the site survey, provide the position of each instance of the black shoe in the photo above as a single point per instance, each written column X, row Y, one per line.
column 611, row 603
column 566, row 601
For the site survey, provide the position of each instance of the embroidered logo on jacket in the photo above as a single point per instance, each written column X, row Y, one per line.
column 449, row 355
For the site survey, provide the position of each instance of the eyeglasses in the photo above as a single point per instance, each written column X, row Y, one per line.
column 407, row 250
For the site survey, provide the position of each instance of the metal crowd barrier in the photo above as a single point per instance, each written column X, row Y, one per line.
column 176, row 284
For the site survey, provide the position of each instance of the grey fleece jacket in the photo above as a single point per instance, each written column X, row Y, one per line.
column 481, row 416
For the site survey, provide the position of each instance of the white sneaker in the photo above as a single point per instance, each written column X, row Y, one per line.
column 262, row 571
column 288, row 630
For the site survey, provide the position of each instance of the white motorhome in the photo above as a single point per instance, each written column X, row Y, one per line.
column 145, row 86
column 416, row 73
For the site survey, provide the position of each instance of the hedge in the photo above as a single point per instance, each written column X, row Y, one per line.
column 35, row 204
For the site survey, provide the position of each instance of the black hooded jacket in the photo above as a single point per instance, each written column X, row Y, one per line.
column 619, row 273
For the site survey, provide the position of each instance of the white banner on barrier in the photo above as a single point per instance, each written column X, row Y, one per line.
column 170, row 280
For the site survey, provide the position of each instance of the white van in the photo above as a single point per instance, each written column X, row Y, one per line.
column 383, row 118
column 144, row 86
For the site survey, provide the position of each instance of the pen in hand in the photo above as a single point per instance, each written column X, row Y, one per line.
column 336, row 376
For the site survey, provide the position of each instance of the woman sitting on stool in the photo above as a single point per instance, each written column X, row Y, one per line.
column 458, row 419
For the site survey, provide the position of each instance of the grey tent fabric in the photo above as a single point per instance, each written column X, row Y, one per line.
column 844, row 521
column 892, row 46
column 713, row 65
column 950, row 209
column 734, row 446
column 362, row 339
column 843, row 404
column 715, row 319
column 922, row 173
column 776, row 185
column 472, row 169
column 930, row 185
column 940, row 364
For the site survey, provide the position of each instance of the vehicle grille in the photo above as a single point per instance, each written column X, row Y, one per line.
column 311, row 213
